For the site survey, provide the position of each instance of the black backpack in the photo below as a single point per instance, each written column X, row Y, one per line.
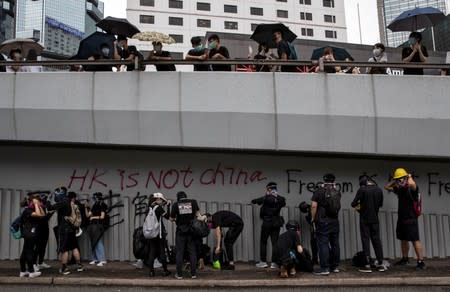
column 332, row 202
column 140, row 246
column 200, row 228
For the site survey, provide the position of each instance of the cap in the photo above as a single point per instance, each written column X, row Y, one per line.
column 181, row 195
column 159, row 196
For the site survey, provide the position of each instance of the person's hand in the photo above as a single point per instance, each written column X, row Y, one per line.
column 217, row 250
column 202, row 57
column 416, row 47
column 36, row 201
column 169, row 202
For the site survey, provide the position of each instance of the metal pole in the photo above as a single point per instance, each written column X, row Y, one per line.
column 359, row 24
column 432, row 38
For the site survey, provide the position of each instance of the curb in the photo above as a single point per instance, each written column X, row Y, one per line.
column 188, row 283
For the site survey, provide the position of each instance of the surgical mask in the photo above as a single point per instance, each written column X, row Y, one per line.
column 377, row 52
column 412, row 41
column 198, row 48
column 212, row 45
column 105, row 52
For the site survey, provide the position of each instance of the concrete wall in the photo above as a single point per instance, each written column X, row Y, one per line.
column 218, row 181
column 296, row 112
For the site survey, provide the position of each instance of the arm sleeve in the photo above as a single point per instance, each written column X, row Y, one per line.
column 258, row 201
column 173, row 213
column 281, row 202
column 356, row 199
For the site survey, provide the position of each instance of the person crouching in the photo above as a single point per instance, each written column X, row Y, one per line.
column 288, row 246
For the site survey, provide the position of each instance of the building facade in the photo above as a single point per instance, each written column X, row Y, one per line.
column 7, row 16
column 57, row 24
column 318, row 19
column 388, row 10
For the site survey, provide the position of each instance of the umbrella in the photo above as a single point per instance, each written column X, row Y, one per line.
column 339, row 53
column 90, row 46
column 417, row 18
column 23, row 44
column 153, row 36
column 117, row 26
column 264, row 34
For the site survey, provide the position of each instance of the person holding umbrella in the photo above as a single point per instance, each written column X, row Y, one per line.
column 415, row 53
column 124, row 52
column 283, row 51
column 16, row 56
column 159, row 55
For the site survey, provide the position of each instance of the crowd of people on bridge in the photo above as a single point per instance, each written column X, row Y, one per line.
column 415, row 53
column 76, row 217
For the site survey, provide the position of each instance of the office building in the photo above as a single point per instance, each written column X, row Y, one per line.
column 7, row 16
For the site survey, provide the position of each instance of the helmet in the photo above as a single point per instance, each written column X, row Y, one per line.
column 329, row 178
column 399, row 173
column 292, row 225
column 304, row 207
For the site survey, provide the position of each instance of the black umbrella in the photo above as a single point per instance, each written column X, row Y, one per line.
column 90, row 46
column 339, row 53
column 417, row 18
column 264, row 34
column 118, row 26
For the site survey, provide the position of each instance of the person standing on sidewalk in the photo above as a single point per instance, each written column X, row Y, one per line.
column 369, row 198
column 325, row 206
column 183, row 212
column 96, row 229
column 407, row 191
column 43, row 234
column 271, row 205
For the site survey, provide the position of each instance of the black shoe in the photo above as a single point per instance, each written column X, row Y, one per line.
column 166, row 273
column 151, row 274
column 64, row 271
column 365, row 269
column 402, row 262
column 80, row 268
column 421, row 265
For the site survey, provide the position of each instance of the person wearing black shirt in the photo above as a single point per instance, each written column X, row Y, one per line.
column 198, row 53
column 124, row 52
column 235, row 226
column 158, row 244
column 95, row 229
column 283, row 51
column 288, row 246
column 271, row 205
column 262, row 55
column 158, row 54
column 218, row 52
column 415, row 53
column 43, row 234
column 369, row 198
column 104, row 54
column 407, row 191
column 183, row 212
column 327, row 228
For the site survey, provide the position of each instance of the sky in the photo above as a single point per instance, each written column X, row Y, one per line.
column 367, row 10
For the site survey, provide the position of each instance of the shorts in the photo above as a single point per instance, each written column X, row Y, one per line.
column 408, row 230
column 67, row 242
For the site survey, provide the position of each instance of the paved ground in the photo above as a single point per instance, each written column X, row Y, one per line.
column 122, row 276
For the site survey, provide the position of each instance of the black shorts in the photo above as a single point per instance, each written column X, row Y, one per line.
column 408, row 230
column 67, row 242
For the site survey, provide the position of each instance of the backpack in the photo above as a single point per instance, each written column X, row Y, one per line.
column 15, row 228
column 200, row 228
column 417, row 204
column 140, row 246
column 332, row 203
column 292, row 52
column 152, row 227
column 359, row 259
column 75, row 216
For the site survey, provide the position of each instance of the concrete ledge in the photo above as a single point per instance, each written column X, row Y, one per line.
column 297, row 282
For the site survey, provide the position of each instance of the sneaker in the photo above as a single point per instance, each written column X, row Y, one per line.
column 34, row 274
column 157, row 264
column 402, row 262
column 381, row 268
column 79, row 232
column 93, row 262
column 24, row 274
column 36, row 268
column 80, row 268
column 335, row 270
column 322, row 272
column 101, row 264
column 274, row 266
column 139, row 264
column 421, row 265
column 44, row 266
column 64, row 271
column 178, row 277
column 194, row 276
column 261, row 265
column 365, row 269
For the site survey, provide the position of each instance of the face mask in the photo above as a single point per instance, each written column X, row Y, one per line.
column 212, row 45
column 158, row 48
column 412, row 41
column 105, row 52
column 198, row 48
column 377, row 52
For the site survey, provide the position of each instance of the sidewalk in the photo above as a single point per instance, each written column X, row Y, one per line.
column 245, row 275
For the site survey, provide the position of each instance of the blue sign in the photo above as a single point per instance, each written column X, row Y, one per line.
column 54, row 23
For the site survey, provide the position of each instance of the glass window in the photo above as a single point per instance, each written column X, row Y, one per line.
column 176, row 4
column 147, row 2
column 328, row 3
column 231, row 25
column 177, row 37
column 203, row 23
column 307, row 32
column 329, row 18
column 253, row 26
column 175, row 21
column 281, row 0
column 331, row 34
column 305, row 16
column 256, row 11
column 305, row 2
column 203, row 6
column 230, row 8
column 147, row 19
column 282, row 13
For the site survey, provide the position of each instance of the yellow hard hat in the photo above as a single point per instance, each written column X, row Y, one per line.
column 399, row 173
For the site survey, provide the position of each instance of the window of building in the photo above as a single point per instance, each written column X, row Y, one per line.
column 203, row 6
column 230, row 8
column 177, row 37
column 147, row 19
column 281, row 0
column 175, row 21
column 331, row 34
column 256, row 11
column 329, row 18
column 282, row 13
column 305, row 16
column 253, row 26
column 307, row 32
column 231, row 25
column 203, row 23
column 147, row 2
column 305, row 2
column 328, row 3
column 176, row 4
